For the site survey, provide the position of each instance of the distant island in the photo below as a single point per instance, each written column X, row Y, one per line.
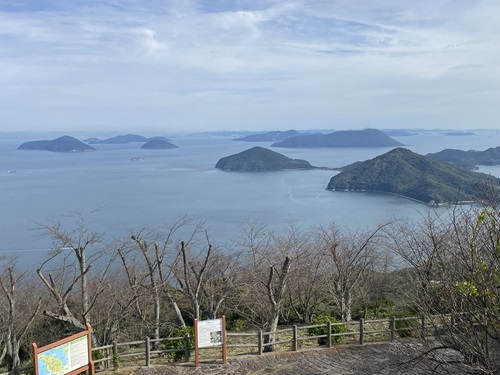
column 403, row 172
column 158, row 144
column 273, row 136
column 459, row 134
column 123, row 139
column 61, row 144
column 398, row 133
column 468, row 159
column 345, row 138
column 260, row 159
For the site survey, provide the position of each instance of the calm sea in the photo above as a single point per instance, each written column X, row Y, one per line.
column 119, row 195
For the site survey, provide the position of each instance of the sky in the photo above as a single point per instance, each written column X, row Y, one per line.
column 180, row 66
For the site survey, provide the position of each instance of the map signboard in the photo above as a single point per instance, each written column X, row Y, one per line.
column 68, row 356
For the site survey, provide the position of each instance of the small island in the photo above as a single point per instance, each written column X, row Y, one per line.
column 345, row 138
column 65, row 143
column 403, row 172
column 123, row 139
column 120, row 139
column 260, row 159
column 158, row 144
column 273, row 136
column 458, row 134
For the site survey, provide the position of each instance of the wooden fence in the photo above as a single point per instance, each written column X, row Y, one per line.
column 149, row 351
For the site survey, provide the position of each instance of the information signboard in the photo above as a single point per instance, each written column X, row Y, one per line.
column 71, row 355
column 209, row 333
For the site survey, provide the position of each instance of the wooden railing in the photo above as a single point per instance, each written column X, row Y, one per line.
column 153, row 351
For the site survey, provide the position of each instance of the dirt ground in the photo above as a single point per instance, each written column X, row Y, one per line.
column 370, row 359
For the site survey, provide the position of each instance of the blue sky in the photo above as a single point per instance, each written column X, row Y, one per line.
column 184, row 66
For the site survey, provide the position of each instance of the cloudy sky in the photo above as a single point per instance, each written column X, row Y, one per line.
column 192, row 65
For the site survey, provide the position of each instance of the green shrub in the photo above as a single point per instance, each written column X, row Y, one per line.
column 179, row 344
column 409, row 326
column 323, row 330
column 237, row 325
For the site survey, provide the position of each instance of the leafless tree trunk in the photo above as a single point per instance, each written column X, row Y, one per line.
column 275, row 285
column 350, row 256
column 161, row 261
column 72, row 259
column 270, row 263
column 14, row 328
column 307, row 289
column 204, row 276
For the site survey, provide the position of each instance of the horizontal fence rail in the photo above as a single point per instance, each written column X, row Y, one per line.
column 145, row 352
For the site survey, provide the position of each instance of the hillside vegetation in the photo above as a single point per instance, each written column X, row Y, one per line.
column 260, row 159
column 273, row 136
column 158, row 144
column 403, row 172
column 468, row 159
column 61, row 144
column 346, row 138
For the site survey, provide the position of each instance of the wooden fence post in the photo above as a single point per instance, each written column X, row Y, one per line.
column 148, row 352
column 116, row 362
column 361, row 331
column 187, row 349
column 294, row 345
column 393, row 328
column 328, row 334
column 261, row 341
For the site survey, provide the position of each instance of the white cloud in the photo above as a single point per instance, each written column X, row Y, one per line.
column 261, row 64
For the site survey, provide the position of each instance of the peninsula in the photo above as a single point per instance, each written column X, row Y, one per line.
column 403, row 172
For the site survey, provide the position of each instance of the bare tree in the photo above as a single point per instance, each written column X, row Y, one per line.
column 270, row 264
column 205, row 276
column 350, row 254
column 455, row 259
column 151, row 269
column 65, row 272
column 16, row 320
column 307, row 289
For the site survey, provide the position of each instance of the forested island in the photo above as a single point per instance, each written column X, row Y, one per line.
column 403, row 172
column 468, row 159
column 158, row 144
column 273, row 136
column 344, row 138
column 260, row 159
column 123, row 139
column 65, row 143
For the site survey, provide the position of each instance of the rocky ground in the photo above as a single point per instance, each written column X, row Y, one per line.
column 370, row 359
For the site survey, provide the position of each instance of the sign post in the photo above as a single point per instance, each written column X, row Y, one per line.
column 69, row 356
column 208, row 333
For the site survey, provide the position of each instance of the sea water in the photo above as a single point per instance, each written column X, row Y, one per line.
column 121, row 189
